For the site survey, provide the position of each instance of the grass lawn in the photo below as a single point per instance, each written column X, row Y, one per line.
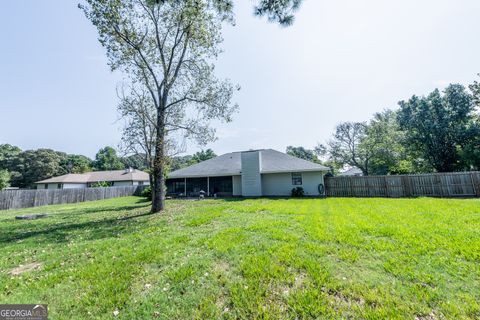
column 264, row 258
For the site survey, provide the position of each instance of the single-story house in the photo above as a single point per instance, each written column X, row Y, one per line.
column 115, row 178
column 352, row 172
column 252, row 173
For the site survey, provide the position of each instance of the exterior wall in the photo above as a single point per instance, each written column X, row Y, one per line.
column 52, row 185
column 74, row 185
column 280, row 184
column 145, row 183
column 237, row 185
column 122, row 183
column 40, row 185
column 251, row 178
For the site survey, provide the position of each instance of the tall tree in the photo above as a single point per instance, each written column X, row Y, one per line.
column 107, row 159
column 8, row 154
column 475, row 88
column 387, row 144
column 439, row 126
column 75, row 163
column 167, row 46
column 348, row 146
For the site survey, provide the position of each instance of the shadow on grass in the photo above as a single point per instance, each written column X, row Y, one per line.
column 64, row 232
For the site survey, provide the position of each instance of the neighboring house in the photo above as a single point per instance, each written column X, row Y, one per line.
column 352, row 172
column 250, row 174
column 116, row 178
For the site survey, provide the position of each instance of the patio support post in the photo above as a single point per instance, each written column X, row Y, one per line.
column 185, row 187
column 208, row 186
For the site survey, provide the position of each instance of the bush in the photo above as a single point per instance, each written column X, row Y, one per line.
column 298, row 192
column 147, row 193
column 101, row 184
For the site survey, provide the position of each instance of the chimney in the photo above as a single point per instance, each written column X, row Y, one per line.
column 251, row 177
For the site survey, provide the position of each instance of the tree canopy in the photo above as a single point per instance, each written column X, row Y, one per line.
column 302, row 153
column 440, row 125
column 107, row 159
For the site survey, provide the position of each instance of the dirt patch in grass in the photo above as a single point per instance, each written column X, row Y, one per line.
column 431, row 316
column 25, row 268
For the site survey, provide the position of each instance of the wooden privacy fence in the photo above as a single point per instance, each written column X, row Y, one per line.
column 454, row 184
column 16, row 199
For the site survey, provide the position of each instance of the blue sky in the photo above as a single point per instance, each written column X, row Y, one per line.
column 341, row 60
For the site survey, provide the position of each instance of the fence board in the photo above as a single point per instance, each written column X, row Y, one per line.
column 16, row 199
column 450, row 184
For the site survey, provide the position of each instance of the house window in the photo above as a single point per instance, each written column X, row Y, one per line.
column 297, row 179
column 46, row 186
column 140, row 183
column 59, row 186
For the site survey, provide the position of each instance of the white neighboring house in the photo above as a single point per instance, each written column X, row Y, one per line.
column 252, row 173
column 352, row 172
column 116, row 178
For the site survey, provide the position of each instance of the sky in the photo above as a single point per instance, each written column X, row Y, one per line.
column 342, row 60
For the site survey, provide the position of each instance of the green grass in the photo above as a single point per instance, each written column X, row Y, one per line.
column 264, row 258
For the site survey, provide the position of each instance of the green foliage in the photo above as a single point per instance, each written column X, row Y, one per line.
column 439, row 126
column 147, row 193
column 298, row 192
column 106, row 159
column 337, row 258
column 281, row 11
column 346, row 147
column 166, row 49
column 4, row 179
column 137, row 161
column 302, row 153
column 180, row 162
column 475, row 88
column 203, row 155
column 35, row 165
column 75, row 163
column 101, row 184
column 8, row 154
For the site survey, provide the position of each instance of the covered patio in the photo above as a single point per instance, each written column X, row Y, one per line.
column 191, row 187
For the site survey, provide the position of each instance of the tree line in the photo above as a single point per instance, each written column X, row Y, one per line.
column 22, row 168
column 438, row 132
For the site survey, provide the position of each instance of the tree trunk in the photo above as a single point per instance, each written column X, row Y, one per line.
column 158, row 188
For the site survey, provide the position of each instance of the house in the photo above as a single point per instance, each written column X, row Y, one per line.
column 252, row 173
column 115, row 178
column 352, row 172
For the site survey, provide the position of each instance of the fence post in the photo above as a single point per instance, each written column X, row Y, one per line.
column 476, row 182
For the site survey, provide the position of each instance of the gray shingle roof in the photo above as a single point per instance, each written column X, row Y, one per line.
column 230, row 164
column 97, row 176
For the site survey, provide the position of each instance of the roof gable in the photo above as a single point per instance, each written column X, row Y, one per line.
column 98, row 176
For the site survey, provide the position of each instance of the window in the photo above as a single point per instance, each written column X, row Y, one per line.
column 297, row 179
column 46, row 186
column 59, row 186
column 140, row 183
